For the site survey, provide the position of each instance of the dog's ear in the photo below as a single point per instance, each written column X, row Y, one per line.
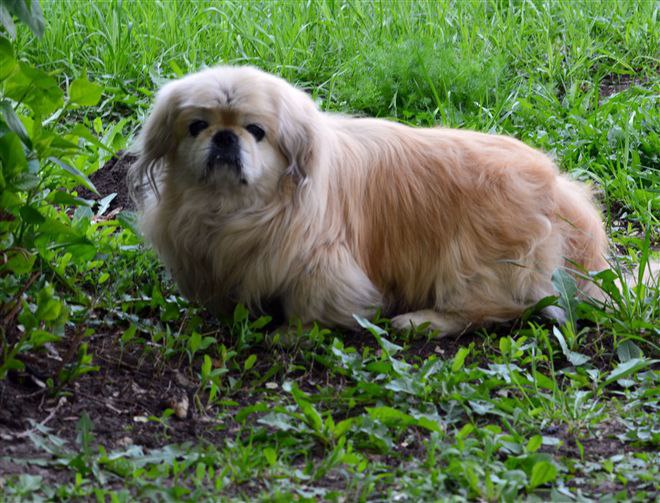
column 154, row 142
column 297, row 131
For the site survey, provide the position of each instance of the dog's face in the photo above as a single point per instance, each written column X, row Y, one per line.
column 235, row 131
column 228, row 147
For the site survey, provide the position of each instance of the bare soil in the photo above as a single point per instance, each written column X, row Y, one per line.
column 615, row 83
column 111, row 179
column 127, row 389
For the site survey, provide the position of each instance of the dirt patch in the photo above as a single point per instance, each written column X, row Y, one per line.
column 111, row 179
column 127, row 385
column 591, row 449
column 126, row 399
column 599, row 444
column 614, row 83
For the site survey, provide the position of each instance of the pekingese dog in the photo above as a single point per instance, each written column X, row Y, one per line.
column 250, row 194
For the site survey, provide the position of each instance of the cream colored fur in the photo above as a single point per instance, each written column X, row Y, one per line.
column 342, row 216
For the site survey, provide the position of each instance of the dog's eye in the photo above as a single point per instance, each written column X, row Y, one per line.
column 256, row 131
column 197, row 127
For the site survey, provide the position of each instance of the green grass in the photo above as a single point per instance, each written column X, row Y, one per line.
column 523, row 411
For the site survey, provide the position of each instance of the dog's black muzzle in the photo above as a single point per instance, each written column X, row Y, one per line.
column 225, row 151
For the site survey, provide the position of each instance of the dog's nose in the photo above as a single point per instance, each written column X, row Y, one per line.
column 225, row 151
column 225, row 138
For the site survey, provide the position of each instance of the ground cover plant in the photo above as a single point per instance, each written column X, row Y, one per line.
column 114, row 387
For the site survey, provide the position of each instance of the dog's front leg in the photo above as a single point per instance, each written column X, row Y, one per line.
column 445, row 324
column 331, row 290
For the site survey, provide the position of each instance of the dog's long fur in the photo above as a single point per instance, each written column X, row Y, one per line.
column 343, row 216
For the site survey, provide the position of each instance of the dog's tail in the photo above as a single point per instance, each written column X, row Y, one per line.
column 587, row 247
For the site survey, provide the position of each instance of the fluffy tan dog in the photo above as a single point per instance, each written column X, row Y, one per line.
column 255, row 196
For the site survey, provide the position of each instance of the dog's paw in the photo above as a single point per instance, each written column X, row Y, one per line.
column 444, row 325
column 554, row 313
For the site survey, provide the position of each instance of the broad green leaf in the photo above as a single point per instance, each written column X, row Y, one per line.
column 53, row 228
column 194, row 342
column 129, row 334
column 207, row 366
column 260, row 322
column 20, row 261
column 342, row 427
column 85, row 436
column 11, row 364
column 82, row 251
column 12, row 156
column 552, row 441
column 7, row 21
column 399, row 366
column 48, row 306
column 542, row 473
column 40, row 337
column 390, row 416
column 608, row 280
column 85, row 93
column 7, row 60
column 83, row 132
column 577, row 359
column 516, row 477
column 6, row 240
column 249, row 362
column 366, row 324
column 66, row 199
column 26, row 181
column 28, row 12
column 14, row 122
column 534, row 443
column 543, row 381
column 505, row 345
column 242, row 414
column 200, row 470
column 312, row 415
column 627, row 369
column 550, row 300
column 394, row 417
column 389, row 348
column 628, row 350
column 278, row 421
column 76, row 173
column 241, row 314
column 403, row 385
column 566, row 287
column 105, row 203
column 35, row 88
column 270, row 455
column 481, row 407
column 429, row 424
column 465, row 431
column 31, row 215
column 459, row 359
column 573, row 357
column 129, row 220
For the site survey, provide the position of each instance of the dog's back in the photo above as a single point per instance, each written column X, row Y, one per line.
column 464, row 222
